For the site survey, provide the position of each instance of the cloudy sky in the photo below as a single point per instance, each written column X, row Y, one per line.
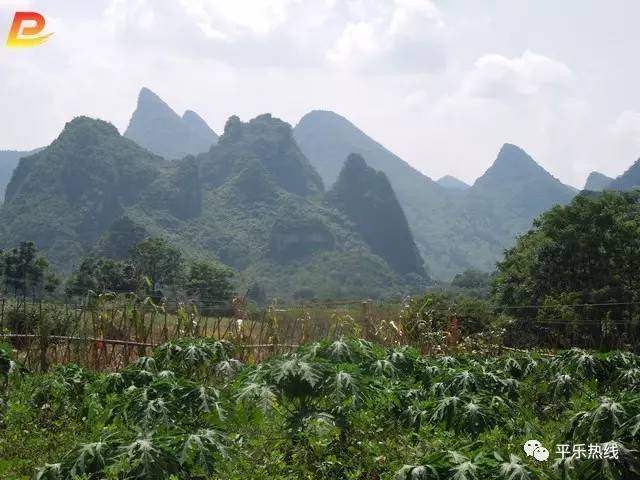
column 441, row 84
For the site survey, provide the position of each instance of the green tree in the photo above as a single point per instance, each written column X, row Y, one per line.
column 579, row 266
column 102, row 275
column 209, row 282
column 160, row 262
column 24, row 270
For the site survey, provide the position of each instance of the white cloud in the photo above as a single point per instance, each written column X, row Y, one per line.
column 231, row 18
column 358, row 42
column 404, row 36
column 496, row 76
column 527, row 100
column 627, row 125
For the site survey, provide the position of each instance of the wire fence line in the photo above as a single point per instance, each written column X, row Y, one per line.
column 109, row 334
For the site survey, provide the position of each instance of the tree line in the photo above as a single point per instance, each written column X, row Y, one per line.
column 153, row 268
column 571, row 280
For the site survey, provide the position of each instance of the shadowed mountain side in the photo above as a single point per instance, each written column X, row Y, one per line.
column 367, row 199
column 327, row 138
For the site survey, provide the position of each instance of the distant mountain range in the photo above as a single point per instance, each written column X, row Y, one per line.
column 156, row 127
column 455, row 228
column 326, row 138
column 255, row 200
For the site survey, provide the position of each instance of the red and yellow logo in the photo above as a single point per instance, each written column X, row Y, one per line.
column 25, row 30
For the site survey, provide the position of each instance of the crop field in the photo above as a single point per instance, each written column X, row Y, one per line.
column 343, row 409
column 109, row 334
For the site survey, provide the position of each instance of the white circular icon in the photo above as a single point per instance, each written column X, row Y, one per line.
column 541, row 454
column 531, row 446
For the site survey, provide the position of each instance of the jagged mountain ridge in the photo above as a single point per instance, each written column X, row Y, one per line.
column 454, row 230
column 156, row 127
column 252, row 202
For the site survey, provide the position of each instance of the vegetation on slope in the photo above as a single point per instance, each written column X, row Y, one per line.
column 8, row 162
column 64, row 196
column 253, row 202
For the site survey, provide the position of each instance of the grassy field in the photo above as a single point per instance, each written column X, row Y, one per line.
column 331, row 410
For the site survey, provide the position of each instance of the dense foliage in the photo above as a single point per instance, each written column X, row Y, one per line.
column 344, row 409
column 154, row 268
column 25, row 272
column 579, row 267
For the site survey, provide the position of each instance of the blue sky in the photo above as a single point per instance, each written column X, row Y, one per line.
column 442, row 84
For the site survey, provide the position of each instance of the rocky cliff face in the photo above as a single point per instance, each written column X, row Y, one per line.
column 292, row 240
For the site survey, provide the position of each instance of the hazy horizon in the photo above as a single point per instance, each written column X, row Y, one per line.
column 442, row 85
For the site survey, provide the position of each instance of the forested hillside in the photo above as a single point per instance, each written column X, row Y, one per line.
column 253, row 202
